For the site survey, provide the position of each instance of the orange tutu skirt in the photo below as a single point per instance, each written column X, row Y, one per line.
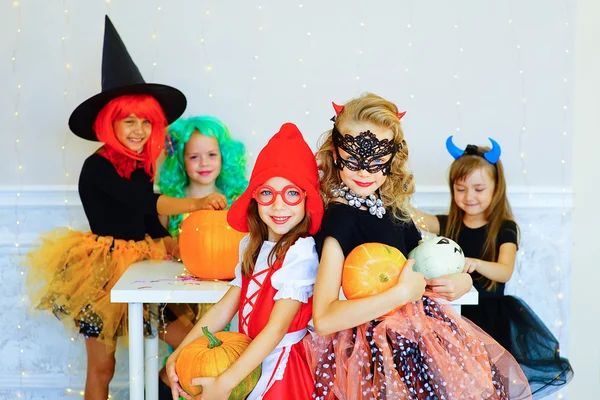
column 424, row 350
column 71, row 275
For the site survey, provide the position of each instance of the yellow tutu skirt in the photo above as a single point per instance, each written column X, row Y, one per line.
column 71, row 275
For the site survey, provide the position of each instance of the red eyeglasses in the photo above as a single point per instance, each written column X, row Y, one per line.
column 292, row 195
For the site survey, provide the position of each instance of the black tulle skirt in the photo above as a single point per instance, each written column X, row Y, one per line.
column 518, row 329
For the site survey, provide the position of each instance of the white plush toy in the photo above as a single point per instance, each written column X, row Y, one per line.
column 437, row 256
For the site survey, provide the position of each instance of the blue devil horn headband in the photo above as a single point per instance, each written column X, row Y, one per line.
column 491, row 156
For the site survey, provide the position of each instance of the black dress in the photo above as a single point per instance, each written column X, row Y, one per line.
column 422, row 350
column 118, row 207
column 510, row 321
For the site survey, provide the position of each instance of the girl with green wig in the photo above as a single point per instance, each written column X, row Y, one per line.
column 202, row 158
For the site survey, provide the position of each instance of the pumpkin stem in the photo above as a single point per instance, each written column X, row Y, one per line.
column 383, row 277
column 212, row 340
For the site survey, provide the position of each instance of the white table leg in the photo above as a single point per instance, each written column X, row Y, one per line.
column 456, row 308
column 151, row 354
column 136, row 351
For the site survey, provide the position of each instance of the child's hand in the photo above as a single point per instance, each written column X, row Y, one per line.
column 214, row 201
column 175, row 253
column 470, row 265
column 411, row 285
column 451, row 287
column 172, row 249
column 176, row 389
column 212, row 389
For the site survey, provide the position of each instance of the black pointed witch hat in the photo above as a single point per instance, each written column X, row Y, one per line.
column 120, row 76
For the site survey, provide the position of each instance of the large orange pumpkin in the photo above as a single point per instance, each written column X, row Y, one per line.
column 209, row 246
column 371, row 268
column 210, row 356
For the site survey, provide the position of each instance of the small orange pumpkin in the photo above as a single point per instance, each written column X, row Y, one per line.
column 371, row 268
column 209, row 246
column 210, row 356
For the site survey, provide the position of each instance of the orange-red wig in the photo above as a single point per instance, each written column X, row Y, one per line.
column 143, row 106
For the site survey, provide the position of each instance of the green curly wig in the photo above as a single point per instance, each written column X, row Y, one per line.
column 173, row 179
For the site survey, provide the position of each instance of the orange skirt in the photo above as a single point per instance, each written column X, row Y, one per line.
column 423, row 350
column 72, row 273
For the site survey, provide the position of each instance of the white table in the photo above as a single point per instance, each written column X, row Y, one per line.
column 468, row 299
column 155, row 282
column 167, row 282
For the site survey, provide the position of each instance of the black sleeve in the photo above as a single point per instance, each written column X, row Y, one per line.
column 339, row 227
column 411, row 236
column 105, row 178
column 154, row 228
column 443, row 221
column 508, row 233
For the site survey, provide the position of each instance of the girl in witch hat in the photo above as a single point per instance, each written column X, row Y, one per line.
column 71, row 273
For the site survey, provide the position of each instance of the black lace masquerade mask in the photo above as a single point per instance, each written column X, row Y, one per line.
column 365, row 150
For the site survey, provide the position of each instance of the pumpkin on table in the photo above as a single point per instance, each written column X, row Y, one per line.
column 371, row 268
column 210, row 356
column 209, row 246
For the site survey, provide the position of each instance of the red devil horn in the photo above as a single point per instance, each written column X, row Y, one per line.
column 338, row 109
column 401, row 114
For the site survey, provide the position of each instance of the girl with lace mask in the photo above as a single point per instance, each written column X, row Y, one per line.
column 406, row 342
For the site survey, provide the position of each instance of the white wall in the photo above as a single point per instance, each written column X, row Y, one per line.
column 328, row 37
column 408, row 51
column 584, row 344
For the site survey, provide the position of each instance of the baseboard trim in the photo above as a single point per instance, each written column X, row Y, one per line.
column 16, row 382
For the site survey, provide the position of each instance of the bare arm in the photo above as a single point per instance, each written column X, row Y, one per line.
column 172, row 247
column 164, row 221
column 499, row 271
column 333, row 315
column 167, row 205
column 424, row 221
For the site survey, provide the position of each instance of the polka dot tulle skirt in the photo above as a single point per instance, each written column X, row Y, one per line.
column 423, row 350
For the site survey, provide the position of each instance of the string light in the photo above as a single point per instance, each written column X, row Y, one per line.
column 154, row 42
column 66, row 91
column 561, row 269
column 17, row 226
column 408, row 52
column 209, row 65
column 306, row 46
column 254, row 76
column 523, row 124
column 359, row 51
column 562, row 134
column 64, row 40
column 457, row 71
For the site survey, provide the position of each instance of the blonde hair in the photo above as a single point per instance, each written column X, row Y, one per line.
column 259, row 232
column 399, row 186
